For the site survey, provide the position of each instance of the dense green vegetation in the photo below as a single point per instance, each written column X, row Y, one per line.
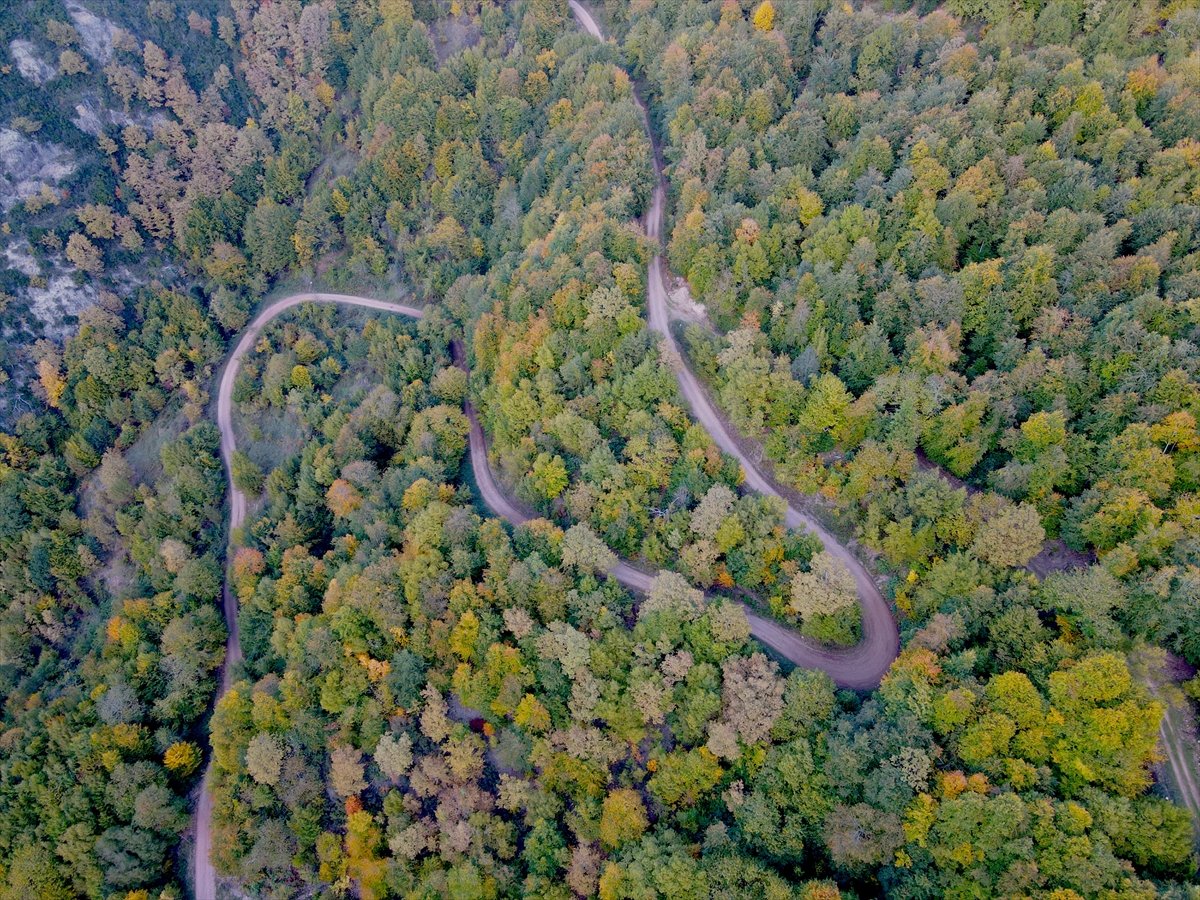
column 933, row 244
column 111, row 632
column 980, row 250
column 429, row 690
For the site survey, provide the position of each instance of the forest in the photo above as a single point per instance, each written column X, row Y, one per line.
column 937, row 267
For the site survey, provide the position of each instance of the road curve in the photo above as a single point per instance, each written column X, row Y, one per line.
column 205, row 876
column 861, row 666
column 237, row 500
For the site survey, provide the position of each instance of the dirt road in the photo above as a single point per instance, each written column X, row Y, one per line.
column 205, row 876
column 859, row 667
column 1176, row 747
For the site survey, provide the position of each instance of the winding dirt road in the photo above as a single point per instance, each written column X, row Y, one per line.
column 860, row 666
column 205, row 875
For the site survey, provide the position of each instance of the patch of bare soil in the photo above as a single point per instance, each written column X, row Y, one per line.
column 684, row 306
column 454, row 34
column 95, row 32
column 28, row 166
column 1055, row 556
column 30, row 65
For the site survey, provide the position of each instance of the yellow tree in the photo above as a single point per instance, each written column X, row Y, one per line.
column 531, row 714
column 623, row 818
column 182, row 758
column 764, row 16
column 51, row 380
column 342, row 498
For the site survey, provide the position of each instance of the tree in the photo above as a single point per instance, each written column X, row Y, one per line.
column 549, row 475
column 659, row 865
column 622, row 818
column 435, row 723
column 269, row 229
column 582, row 549
column 808, row 705
column 50, row 374
column 230, row 308
column 116, row 477
column 824, row 589
column 685, row 777
column 752, row 692
column 531, row 714
column 182, row 758
column 131, row 856
column 764, row 16
column 343, row 498
column 393, row 755
column 449, row 385
column 72, row 63
column 788, row 800
column 861, row 838
column 247, row 476
column 1011, row 538
column 346, row 771
column 712, row 510
column 175, row 554
column 97, row 220
column 84, row 254
column 227, row 266
column 1109, row 728
column 584, row 872
column 32, row 872
column 156, row 808
column 61, row 34
column 728, row 623
column 670, row 593
column 248, row 563
column 264, row 758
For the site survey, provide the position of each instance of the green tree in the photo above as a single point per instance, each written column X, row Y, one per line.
column 1010, row 538
column 247, row 476
column 264, row 758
